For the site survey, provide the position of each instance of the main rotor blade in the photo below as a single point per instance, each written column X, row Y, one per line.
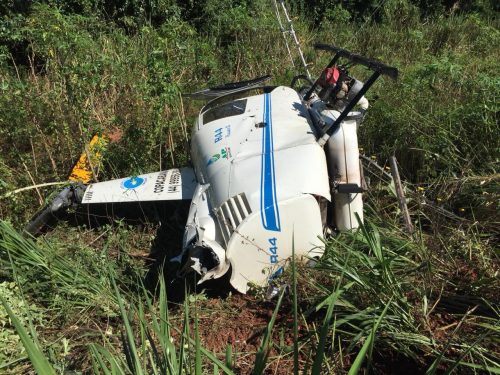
column 228, row 88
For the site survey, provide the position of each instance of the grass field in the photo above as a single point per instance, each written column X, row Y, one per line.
column 78, row 300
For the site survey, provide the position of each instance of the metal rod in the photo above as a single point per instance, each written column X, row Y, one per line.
column 283, row 32
column 400, row 194
column 358, row 59
column 292, row 31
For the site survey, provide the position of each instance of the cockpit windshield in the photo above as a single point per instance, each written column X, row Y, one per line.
column 234, row 108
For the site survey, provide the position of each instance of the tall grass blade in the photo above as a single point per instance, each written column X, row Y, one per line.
column 39, row 361
column 99, row 354
column 320, row 349
column 356, row 366
column 98, row 363
column 331, row 300
column 475, row 366
column 295, row 313
column 462, row 356
column 130, row 340
column 229, row 356
column 434, row 366
column 156, row 360
column 214, row 359
column 161, row 327
column 116, row 367
column 142, row 332
column 198, row 370
column 184, row 336
column 263, row 352
column 53, row 270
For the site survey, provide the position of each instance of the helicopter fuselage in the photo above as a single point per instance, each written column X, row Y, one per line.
column 264, row 175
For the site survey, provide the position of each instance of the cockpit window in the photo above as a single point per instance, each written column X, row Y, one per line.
column 233, row 108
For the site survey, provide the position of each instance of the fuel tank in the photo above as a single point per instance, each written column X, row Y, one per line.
column 344, row 168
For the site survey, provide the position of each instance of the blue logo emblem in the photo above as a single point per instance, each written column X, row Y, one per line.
column 133, row 182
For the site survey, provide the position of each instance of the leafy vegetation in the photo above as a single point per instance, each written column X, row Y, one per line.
column 379, row 300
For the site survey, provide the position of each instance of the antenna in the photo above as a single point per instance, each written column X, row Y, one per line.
column 289, row 32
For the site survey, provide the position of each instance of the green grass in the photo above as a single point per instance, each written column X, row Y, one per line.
column 368, row 313
column 37, row 358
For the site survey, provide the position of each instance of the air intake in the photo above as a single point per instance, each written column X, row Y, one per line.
column 231, row 213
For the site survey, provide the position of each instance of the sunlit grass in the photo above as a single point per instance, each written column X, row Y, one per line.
column 357, row 306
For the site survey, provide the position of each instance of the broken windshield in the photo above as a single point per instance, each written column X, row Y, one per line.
column 233, row 108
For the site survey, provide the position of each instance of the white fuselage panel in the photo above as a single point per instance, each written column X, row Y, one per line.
column 239, row 154
column 262, row 165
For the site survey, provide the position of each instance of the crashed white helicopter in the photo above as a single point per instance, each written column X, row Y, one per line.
column 273, row 168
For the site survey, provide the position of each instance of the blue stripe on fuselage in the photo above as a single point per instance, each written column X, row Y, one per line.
column 268, row 203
